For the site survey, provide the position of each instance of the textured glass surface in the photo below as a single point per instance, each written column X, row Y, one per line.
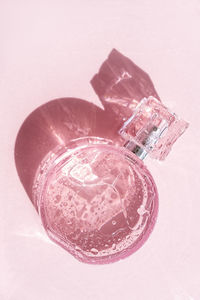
column 98, row 201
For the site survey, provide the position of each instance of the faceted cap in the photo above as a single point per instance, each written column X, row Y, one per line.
column 152, row 129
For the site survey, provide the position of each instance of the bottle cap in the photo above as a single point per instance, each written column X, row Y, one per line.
column 152, row 129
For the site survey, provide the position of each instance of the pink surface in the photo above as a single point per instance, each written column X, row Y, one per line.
column 51, row 50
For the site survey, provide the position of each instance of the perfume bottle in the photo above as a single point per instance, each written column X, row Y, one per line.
column 95, row 196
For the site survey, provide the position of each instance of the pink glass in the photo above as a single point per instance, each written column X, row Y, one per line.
column 81, row 166
column 96, row 200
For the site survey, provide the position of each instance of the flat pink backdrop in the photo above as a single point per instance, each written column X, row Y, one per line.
column 51, row 49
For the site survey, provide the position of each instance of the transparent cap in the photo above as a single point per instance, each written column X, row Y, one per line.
column 152, row 129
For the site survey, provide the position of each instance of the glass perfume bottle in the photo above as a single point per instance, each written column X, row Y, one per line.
column 95, row 196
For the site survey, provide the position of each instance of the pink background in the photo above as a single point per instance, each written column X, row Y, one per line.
column 51, row 49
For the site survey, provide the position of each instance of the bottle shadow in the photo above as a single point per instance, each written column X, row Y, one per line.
column 56, row 123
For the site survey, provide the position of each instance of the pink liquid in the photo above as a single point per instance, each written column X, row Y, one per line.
column 98, row 201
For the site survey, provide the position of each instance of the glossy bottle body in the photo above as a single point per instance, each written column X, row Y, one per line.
column 96, row 200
